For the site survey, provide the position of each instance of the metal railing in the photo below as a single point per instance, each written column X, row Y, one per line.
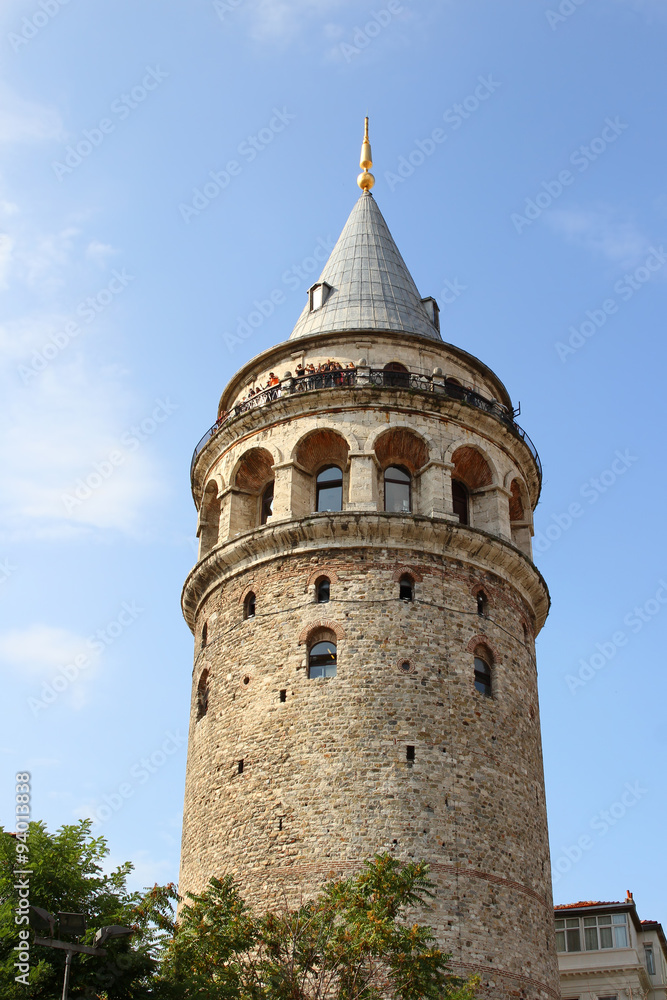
column 351, row 378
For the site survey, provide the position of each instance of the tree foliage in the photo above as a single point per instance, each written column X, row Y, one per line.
column 355, row 941
column 66, row 875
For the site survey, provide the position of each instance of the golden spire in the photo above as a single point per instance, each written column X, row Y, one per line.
column 366, row 180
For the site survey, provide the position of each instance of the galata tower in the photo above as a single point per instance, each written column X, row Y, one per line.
column 364, row 608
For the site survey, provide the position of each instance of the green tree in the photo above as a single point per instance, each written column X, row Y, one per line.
column 355, row 941
column 66, row 875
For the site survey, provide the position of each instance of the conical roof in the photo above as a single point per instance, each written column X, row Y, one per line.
column 371, row 288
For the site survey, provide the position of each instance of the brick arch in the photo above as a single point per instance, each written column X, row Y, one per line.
column 472, row 467
column 308, row 630
column 475, row 589
column 409, row 571
column 321, row 447
column 482, row 640
column 253, row 470
column 250, row 589
column 322, row 571
column 401, row 446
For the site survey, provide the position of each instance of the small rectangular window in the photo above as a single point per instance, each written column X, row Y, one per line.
column 409, row 753
column 650, row 962
column 283, row 695
column 240, row 767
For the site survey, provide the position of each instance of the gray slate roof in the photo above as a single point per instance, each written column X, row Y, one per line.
column 372, row 287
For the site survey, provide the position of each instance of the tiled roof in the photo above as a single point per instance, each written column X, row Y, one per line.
column 588, row 902
column 372, row 288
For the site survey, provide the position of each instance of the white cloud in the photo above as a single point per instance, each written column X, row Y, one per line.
column 25, row 121
column 283, row 20
column 99, row 252
column 600, row 231
column 40, row 649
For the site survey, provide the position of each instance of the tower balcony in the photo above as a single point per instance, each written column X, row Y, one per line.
column 372, row 379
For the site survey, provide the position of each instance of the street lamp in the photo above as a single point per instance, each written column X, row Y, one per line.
column 75, row 924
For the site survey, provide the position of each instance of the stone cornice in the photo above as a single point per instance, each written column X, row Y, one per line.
column 352, row 530
column 299, row 405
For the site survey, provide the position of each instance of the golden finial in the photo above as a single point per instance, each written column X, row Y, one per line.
column 366, row 180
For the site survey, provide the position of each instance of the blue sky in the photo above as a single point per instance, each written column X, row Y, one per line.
column 519, row 155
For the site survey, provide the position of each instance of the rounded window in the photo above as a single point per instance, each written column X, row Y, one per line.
column 329, row 490
column 249, row 606
column 483, row 673
column 322, row 660
column 202, row 695
column 396, row 374
column 406, row 588
column 397, row 490
column 323, row 590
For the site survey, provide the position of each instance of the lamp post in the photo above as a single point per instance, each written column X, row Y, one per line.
column 75, row 924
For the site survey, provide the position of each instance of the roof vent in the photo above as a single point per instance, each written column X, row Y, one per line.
column 432, row 311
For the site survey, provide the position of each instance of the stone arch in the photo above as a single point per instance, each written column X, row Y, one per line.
column 401, row 446
column 472, row 466
column 476, row 588
column 209, row 518
column 520, row 516
column 320, row 447
column 253, row 470
column 310, row 632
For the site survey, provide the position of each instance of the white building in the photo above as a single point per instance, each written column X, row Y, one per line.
column 605, row 952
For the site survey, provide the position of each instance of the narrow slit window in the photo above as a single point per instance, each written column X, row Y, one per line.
column 323, row 590
column 202, row 695
column 204, row 634
column 283, row 694
column 481, row 602
column 482, row 675
column 406, row 588
column 410, row 754
column 460, row 501
column 266, row 504
column 240, row 767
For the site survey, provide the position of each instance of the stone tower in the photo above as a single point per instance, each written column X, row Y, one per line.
column 364, row 608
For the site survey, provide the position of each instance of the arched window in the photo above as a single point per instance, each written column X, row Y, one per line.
column 323, row 590
column 322, row 660
column 266, row 508
column 406, row 588
column 396, row 374
column 202, row 695
column 249, row 605
column 397, row 490
column 460, row 501
column 482, row 602
column 204, row 634
column 483, row 671
column 329, row 489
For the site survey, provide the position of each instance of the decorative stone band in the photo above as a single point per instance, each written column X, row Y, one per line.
column 372, row 530
column 467, row 968
column 336, row 869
